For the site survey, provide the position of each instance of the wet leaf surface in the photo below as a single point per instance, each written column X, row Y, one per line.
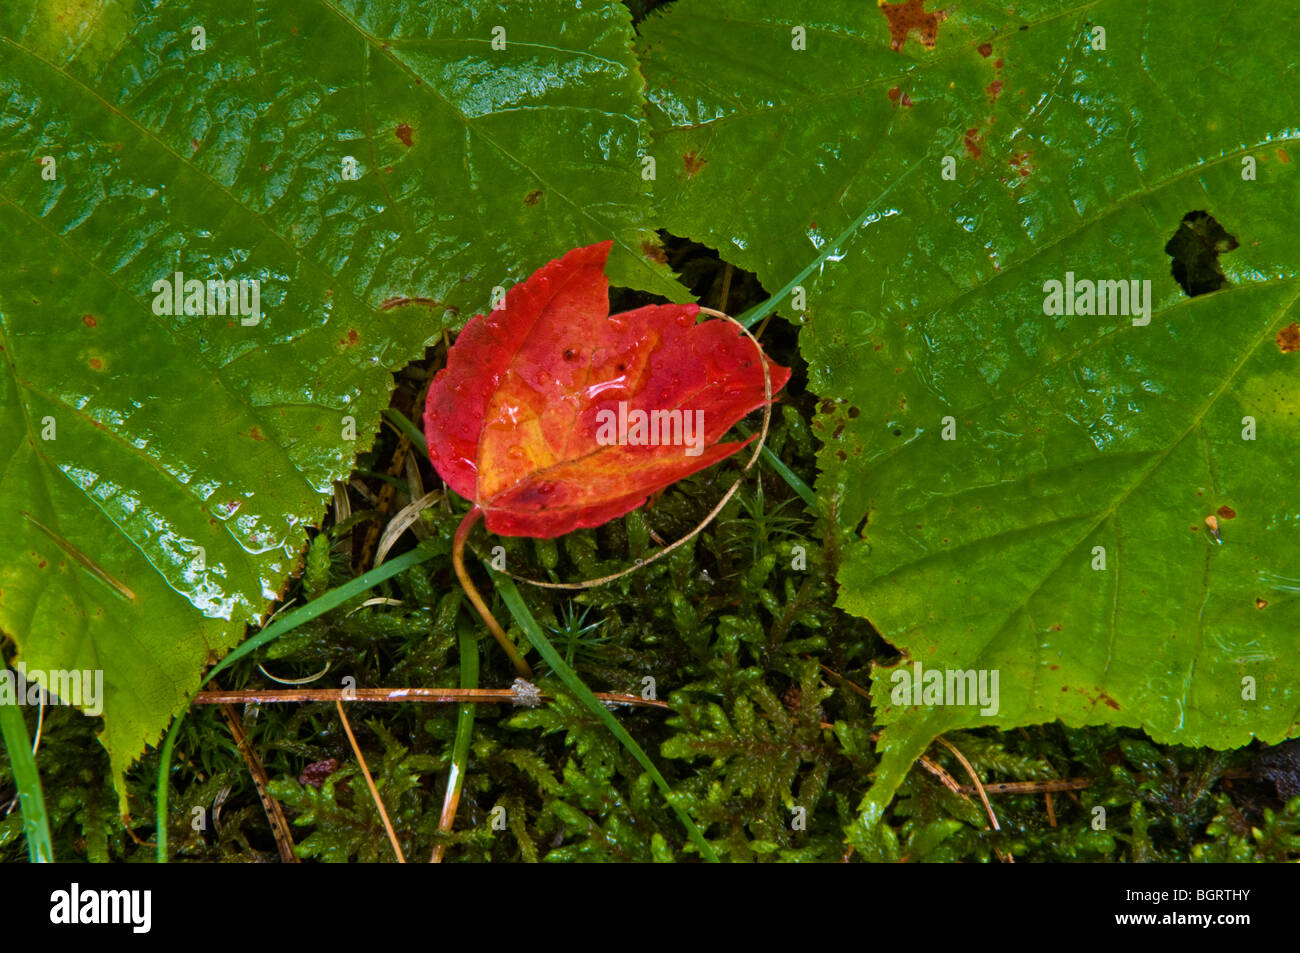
column 554, row 415
column 982, row 447
column 342, row 155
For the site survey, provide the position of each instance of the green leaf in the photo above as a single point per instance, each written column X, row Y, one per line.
column 925, row 306
column 162, row 468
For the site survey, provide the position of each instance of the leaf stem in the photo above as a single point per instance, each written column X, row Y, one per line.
column 458, row 563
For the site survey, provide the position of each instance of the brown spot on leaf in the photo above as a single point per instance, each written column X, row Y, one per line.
column 1288, row 339
column 994, row 90
column 256, row 434
column 1227, row 513
column 89, row 320
column 986, row 49
column 909, row 16
column 655, row 252
column 896, row 96
column 96, row 364
column 1020, row 162
column 693, row 163
column 1108, row 700
column 1283, row 155
column 404, row 133
column 1261, row 604
column 533, row 197
column 351, row 339
column 973, row 142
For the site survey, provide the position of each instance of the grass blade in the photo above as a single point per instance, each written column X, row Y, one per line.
column 468, row 650
column 515, row 603
column 790, row 477
column 287, row 623
column 412, row 432
column 36, row 826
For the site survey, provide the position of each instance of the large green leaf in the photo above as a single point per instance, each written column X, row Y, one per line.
column 926, row 302
column 162, row 469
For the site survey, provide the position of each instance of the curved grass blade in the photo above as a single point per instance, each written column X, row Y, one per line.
column 515, row 603
column 287, row 623
column 404, row 426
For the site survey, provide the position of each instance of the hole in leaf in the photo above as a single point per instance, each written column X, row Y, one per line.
column 1195, row 249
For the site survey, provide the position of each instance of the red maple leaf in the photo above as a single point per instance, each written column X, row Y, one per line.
column 553, row 415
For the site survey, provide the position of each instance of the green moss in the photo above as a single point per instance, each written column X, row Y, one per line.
column 767, row 744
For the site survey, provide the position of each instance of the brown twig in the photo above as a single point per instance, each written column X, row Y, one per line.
column 726, row 287
column 370, row 782
column 847, row 681
column 274, row 813
column 979, row 787
column 1034, row 787
column 489, row 696
column 947, row 779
